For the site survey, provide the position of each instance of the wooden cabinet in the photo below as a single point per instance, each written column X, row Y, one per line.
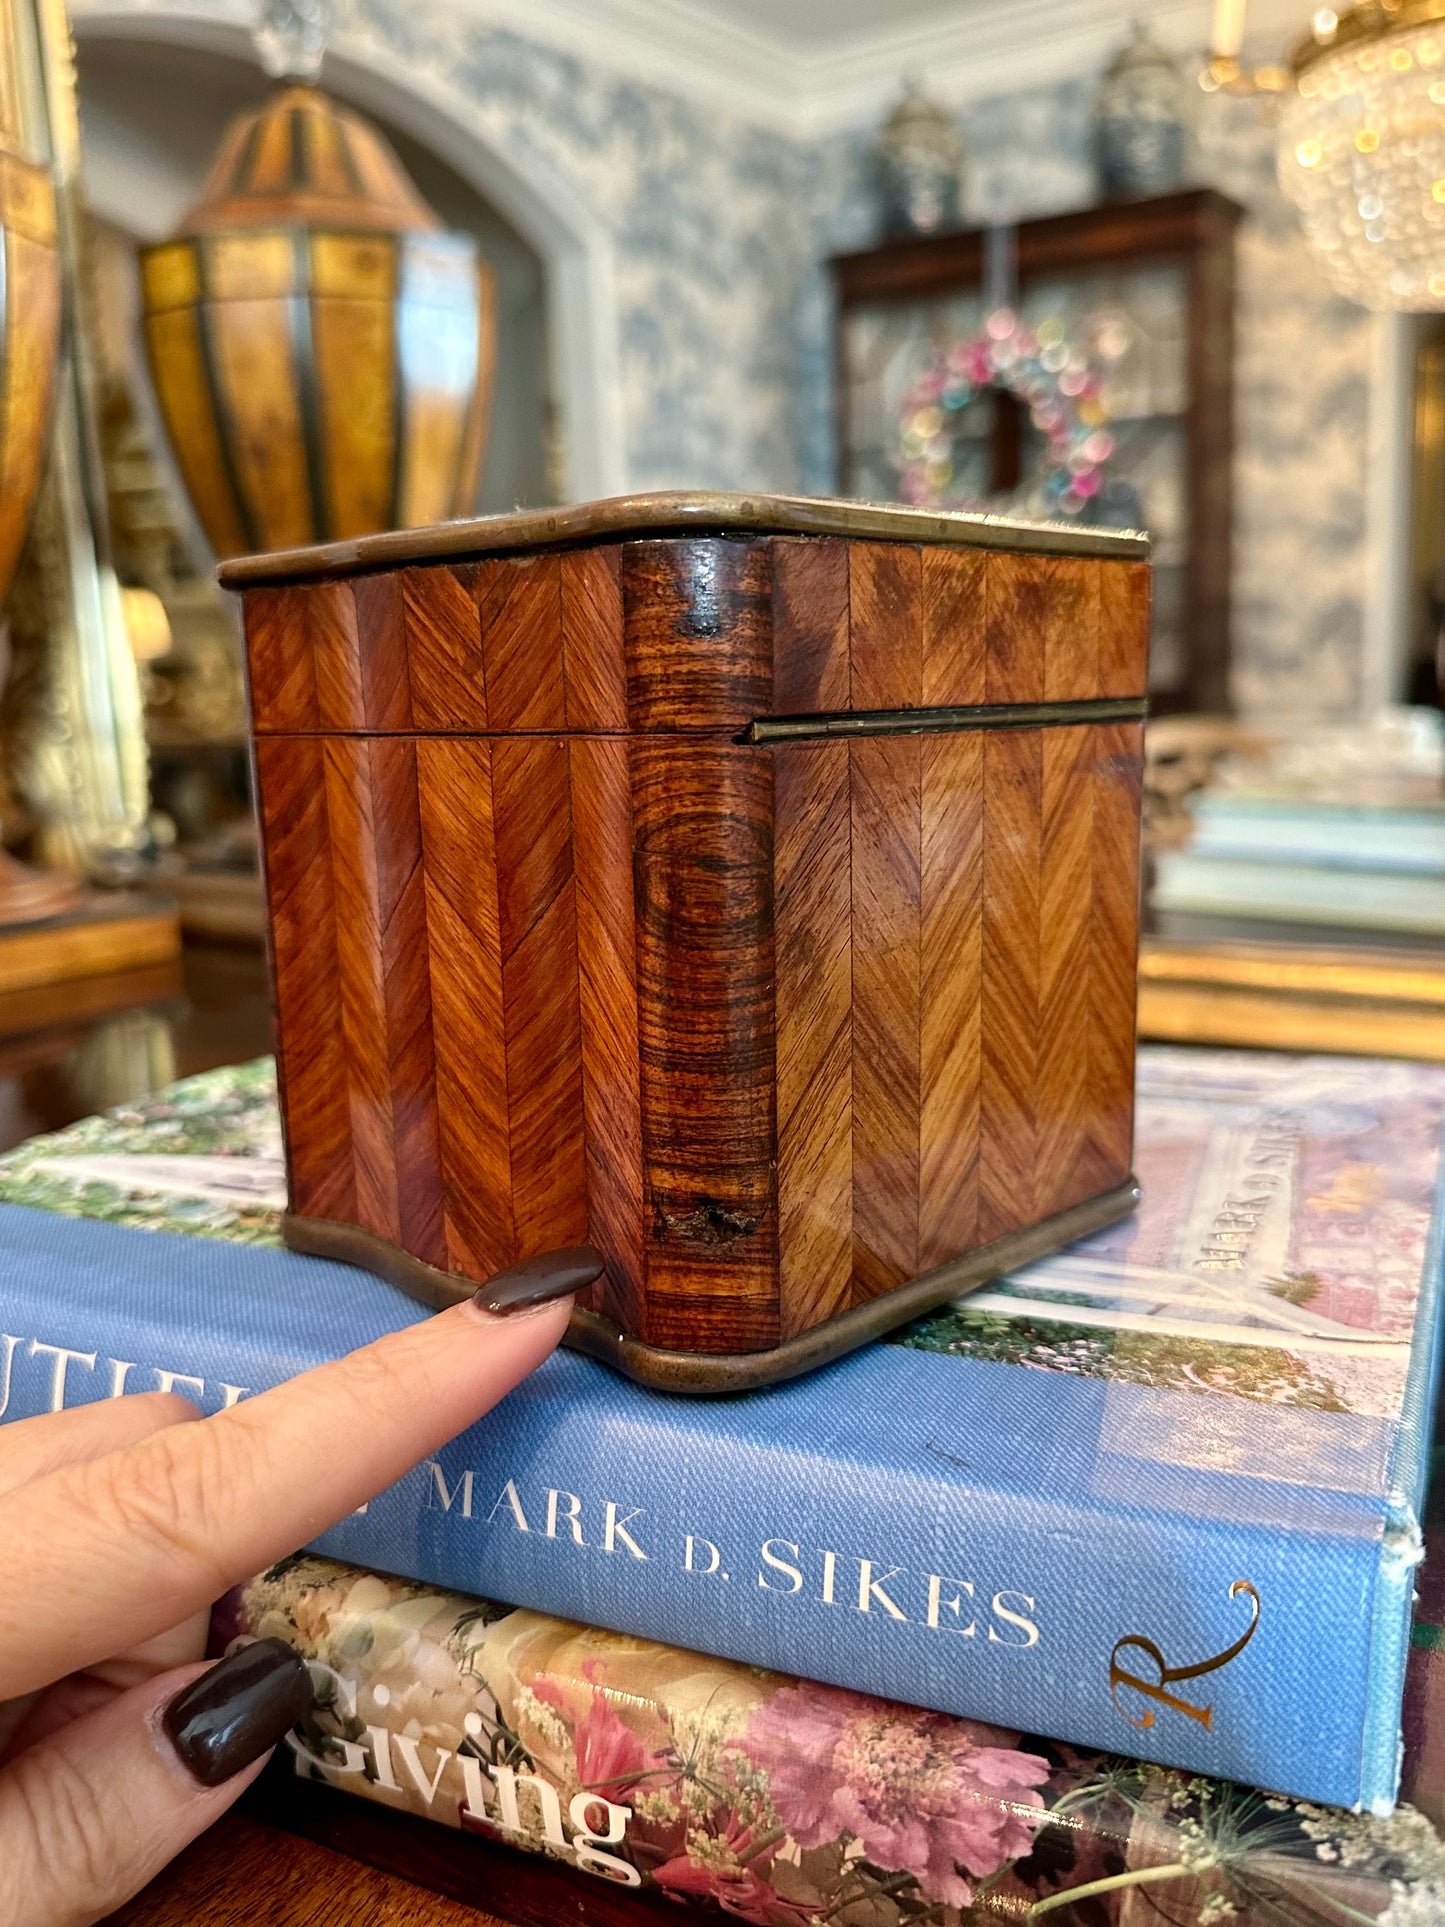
column 1146, row 290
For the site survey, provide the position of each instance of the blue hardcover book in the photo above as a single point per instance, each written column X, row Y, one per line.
column 1159, row 1495
column 1298, row 831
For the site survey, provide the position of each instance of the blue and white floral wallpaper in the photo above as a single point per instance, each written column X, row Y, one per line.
column 719, row 231
column 707, row 231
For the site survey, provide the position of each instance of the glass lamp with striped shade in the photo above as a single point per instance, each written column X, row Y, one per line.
column 322, row 349
column 29, row 301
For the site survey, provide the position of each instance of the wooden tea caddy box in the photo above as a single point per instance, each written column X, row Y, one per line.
column 746, row 886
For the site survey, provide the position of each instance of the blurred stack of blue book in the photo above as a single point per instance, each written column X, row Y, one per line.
column 1346, row 865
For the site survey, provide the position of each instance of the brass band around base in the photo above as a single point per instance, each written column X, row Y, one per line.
column 701, row 1373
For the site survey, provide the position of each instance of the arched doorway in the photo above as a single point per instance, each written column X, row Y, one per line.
column 193, row 55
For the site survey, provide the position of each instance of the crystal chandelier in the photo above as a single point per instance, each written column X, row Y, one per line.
column 1361, row 142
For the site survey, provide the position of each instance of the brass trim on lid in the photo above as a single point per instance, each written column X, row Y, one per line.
column 677, row 512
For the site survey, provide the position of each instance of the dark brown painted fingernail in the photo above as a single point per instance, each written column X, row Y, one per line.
column 230, row 1716
column 537, row 1281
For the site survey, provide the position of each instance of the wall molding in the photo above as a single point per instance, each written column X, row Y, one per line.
column 837, row 82
column 830, row 83
column 1002, row 46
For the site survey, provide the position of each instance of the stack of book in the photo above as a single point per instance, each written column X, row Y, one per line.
column 1350, row 866
column 1001, row 1620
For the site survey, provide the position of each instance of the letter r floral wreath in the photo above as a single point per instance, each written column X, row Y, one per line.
column 1052, row 378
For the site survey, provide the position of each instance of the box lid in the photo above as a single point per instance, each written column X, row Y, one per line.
column 677, row 512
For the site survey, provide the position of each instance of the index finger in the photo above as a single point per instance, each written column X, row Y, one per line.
column 101, row 1556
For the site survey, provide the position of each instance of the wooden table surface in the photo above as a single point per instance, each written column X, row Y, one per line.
column 245, row 1872
column 69, row 1049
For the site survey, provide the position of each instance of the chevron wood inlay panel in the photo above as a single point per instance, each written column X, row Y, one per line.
column 465, row 956
column 361, row 968
column 537, row 926
column 1123, row 628
column 520, row 602
column 381, row 628
column 601, row 790
column 950, row 1040
column 810, row 626
column 1066, row 854
column 375, row 848
column 444, row 649
column 813, row 913
column 563, row 953
column 885, row 620
column 886, row 795
column 310, row 1047
column 336, row 656
column 279, row 663
column 1114, row 945
column 595, row 676
column 1071, row 632
column 1020, row 599
column 1009, row 1021
column 406, row 994
column 954, row 626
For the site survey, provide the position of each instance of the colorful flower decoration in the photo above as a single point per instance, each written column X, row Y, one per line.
column 1048, row 374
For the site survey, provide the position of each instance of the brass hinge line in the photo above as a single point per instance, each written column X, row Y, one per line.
column 764, row 730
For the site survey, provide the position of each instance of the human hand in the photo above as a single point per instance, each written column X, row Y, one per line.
column 120, row 1523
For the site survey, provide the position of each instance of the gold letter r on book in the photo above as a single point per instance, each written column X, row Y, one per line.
column 1155, row 1689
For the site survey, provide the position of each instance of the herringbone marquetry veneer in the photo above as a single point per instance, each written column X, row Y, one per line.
column 746, row 888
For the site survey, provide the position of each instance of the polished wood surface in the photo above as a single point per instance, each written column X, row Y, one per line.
column 246, row 1871
column 1193, row 229
column 1293, row 996
column 814, row 993
column 703, row 869
column 689, row 635
column 321, row 351
column 71, row 1004
column 31, row 895
column 562, row 951
column 69, row 1049
column 29, row 342
column 100, row 934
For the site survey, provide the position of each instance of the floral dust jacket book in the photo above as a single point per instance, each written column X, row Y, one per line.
column 1159, row 1495
column 787, row 1803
